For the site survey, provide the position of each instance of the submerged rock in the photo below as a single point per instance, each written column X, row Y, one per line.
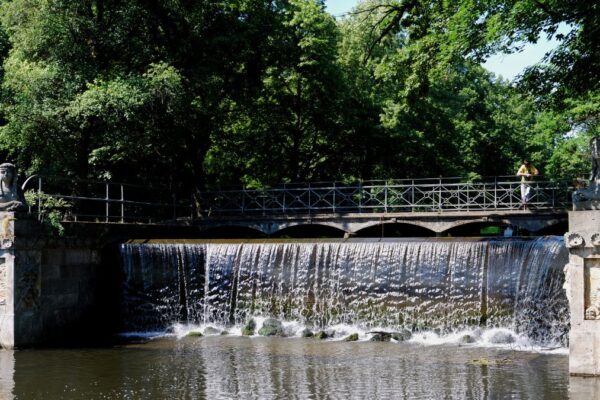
column 271, row 327
column 194, row 334
column 307, row 333
column 351, row 338
column 249, row 328
column 502, row 337
column 209, row 330
column 467, row 339
column 402, row 335
column 322, row 335
column 381, row 336
column 488, row 361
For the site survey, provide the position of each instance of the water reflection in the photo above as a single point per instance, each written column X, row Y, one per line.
column 584, row 388
column 275, row 368
column 7, row 369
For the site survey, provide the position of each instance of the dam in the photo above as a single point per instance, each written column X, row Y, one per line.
column 417, row 285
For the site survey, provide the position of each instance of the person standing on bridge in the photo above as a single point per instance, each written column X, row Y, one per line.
column 527, row 170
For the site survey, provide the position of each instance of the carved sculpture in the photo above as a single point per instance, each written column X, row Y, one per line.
column 11, row 195
column 596, row 239
column 593, row 310
column 589, row 197
column 573, row 240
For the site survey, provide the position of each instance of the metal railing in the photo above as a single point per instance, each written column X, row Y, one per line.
column 126, row 203
column 399, row 196
column 94, row 201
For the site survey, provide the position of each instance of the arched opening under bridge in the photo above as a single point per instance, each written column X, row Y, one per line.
column 395, row 230
column 306, row 231
column 231, row 232
column 476, row 229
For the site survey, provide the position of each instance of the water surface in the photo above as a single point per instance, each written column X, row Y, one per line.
column 221, row 367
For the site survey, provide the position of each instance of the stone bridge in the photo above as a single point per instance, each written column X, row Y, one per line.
column 426, row 207
column 381, row 224
column 405, row 208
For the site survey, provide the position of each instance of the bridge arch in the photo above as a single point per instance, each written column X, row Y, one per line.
column 382, row 225
column 319, row 230
column 552, row 226
column 394, row 229
column 232, row 231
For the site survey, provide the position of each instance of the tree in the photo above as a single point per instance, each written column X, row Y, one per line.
column 290, row 131
column 126, row 90
column 435, row 113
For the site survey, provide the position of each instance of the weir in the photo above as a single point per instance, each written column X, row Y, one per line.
column 421, row 285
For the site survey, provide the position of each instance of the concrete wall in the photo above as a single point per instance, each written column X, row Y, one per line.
column 49, row 287
column 64, row 290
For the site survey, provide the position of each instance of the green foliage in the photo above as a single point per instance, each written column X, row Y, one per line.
column 51, row 211
column 196, row 95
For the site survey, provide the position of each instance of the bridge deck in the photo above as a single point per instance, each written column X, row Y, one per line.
column 434, row 204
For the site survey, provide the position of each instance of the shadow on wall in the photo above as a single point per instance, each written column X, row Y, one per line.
column 387, row 230
column 231, row 232
column 395, row 230
column 315, row 231
column 486, row 229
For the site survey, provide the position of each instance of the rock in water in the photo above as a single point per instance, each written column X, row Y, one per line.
column 307, row 333
column 209, row 330
column 249, row 328
column 271, row 327
column 352, row 338
column 502, row 337
column 402, row 335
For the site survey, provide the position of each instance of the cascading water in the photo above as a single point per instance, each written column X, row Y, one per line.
column 421, row 285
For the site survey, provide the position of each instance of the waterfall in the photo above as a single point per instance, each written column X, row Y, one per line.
column 418, row 284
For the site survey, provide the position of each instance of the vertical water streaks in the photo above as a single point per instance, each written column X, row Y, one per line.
column 415, row 284
column 159, row 282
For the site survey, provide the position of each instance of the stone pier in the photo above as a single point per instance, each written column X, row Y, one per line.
column 49, row 286
column 64, row 290
column 582, row 283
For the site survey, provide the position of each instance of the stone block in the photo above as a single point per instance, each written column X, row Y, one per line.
column 584, row 350
column 582, row 284
column 584, row 222
column 77, row 256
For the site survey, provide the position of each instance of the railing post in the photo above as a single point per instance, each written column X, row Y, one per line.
column 440, row 195
column 333, row 202
column 484, row 195
column 412, row 201
column 122, row 204
column 385, row 201
column 192, row 207
column 495, row 192
column 309, row 200
column 243, row 200
column 174, row 207
column 107, row 202
column 39, row 198
column 360, row 196
column 468, row 202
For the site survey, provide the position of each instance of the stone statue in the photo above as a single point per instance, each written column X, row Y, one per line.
column 11, row 195
column 589, row 198
column 595, row 147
